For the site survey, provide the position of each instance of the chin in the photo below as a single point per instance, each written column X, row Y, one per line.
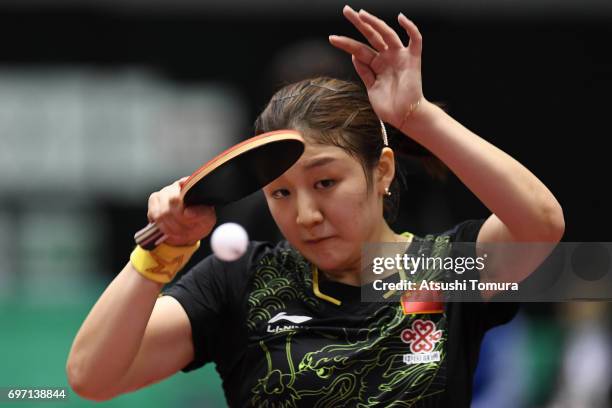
column 328, row 261
column 332, row 254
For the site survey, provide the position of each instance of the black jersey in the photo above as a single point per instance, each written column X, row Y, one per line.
column 276, row 344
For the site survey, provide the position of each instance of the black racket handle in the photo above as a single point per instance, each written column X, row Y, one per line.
column 149, row 237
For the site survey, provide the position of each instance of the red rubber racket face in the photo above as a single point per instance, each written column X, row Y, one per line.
column 243, row 169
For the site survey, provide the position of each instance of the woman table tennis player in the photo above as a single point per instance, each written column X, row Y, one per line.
column 285, row 323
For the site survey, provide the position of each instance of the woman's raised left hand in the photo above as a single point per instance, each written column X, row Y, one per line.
column 390, row 71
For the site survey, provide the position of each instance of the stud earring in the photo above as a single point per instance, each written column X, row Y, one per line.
column 387, row 192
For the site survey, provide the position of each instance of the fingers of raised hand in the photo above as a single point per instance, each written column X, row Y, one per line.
column 388, row 35
column 365, row 73
column 375, row 39
column 362, row 52
column 416, row 40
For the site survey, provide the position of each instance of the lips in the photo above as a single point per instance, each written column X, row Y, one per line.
column 317, row 240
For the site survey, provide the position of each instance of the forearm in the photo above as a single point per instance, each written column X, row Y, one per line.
column 505, row 187
column 110, row 337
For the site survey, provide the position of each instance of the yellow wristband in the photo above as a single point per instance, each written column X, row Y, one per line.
column 162, row 263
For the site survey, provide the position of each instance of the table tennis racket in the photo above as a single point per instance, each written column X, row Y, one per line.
column 234, row 174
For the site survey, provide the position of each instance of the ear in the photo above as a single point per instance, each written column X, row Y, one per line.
column 385, row 170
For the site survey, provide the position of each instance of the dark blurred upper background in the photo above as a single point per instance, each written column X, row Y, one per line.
column 102, row 103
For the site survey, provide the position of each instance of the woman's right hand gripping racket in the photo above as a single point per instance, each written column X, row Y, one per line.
column 234, row 174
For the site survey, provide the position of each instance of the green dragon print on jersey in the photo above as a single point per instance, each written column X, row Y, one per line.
column 312, row 361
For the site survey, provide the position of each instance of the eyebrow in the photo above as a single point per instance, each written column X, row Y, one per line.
column 318, row 162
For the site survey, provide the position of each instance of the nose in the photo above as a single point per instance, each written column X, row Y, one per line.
column 308, row 212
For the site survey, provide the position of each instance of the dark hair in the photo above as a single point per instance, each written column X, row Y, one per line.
column 335, row 112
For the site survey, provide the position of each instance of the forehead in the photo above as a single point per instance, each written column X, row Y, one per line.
column 315, row 151
column 317, row 155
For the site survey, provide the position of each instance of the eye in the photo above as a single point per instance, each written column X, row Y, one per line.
column 280, row 193
column 327, row 183
column 324, row 372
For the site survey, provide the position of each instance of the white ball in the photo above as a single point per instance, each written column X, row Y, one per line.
column 229, row 241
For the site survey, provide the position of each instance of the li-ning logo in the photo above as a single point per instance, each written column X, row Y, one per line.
column 422, row 338
column 284, row 316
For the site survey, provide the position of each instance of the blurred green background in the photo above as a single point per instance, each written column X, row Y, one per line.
column 35, row 343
